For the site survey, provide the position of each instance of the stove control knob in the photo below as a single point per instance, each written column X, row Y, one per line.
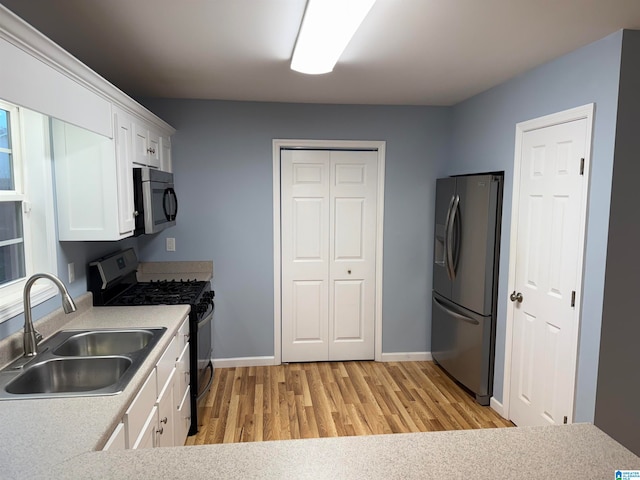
column 202, row 307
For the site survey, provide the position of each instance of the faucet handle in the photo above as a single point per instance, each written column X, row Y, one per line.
column 38, row 336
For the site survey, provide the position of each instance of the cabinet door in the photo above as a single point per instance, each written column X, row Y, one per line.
column 167, row 363
column 182, row 363
column 140, row 144
column 87, row 188
column 182, row 375
column 147, row 438
column 154, row 149
column 124, row 171
column 166, row 415
column 138, row 411
column 182, row 419
column 165, row 154
column 118, row 439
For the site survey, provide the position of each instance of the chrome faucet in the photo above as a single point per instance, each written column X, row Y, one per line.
column 31, row 336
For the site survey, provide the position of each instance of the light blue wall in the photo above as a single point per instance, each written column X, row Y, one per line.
column 223, row 171
column 483, row 138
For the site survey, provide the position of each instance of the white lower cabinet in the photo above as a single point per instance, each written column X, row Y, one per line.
column 137, row 415
column 147, row 438
column 160, row 414
column 118, row 439
column 182, row 419
column 166, row 417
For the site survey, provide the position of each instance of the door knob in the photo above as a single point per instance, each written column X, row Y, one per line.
column 516, row 297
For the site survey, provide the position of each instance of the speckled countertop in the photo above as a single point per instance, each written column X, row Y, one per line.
column 568, row 451
column 38, row 434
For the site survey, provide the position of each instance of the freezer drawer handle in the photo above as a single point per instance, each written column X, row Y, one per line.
column 464, row 318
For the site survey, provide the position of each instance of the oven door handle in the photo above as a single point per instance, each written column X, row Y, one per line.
column 206, row 389
column 207, row 318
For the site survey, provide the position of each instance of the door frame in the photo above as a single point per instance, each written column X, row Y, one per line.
column 578, row 113
column 278, row 144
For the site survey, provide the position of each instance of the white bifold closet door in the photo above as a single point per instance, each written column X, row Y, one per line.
column 328, row 203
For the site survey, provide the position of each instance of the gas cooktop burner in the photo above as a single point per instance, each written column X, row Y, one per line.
column 161, row 293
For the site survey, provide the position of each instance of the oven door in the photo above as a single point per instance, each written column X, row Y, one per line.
column 202, row 368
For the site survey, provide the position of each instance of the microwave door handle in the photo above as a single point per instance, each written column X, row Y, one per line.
column 166, row 198
column 175, row 204
column 170, row 197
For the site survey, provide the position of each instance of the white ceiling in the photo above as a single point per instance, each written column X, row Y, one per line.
column 416, row 52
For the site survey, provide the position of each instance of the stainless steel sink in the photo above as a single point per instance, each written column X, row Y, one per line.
column 69, row 375
column 80, row 363
column 104, row 342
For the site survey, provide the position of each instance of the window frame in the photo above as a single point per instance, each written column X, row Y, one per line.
column 33, row 186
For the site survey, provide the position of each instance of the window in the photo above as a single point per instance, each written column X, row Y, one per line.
column 11, row 229
column 27, row 235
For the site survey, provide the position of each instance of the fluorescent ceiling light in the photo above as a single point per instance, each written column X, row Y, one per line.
column 326, row 30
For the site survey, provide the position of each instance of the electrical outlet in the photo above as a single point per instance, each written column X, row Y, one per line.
column 71, row 267
column 171, row 244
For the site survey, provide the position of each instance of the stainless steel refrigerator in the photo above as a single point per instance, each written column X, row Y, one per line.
column 465, row 279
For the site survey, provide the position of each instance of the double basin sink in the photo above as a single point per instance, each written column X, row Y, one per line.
column 79, row 363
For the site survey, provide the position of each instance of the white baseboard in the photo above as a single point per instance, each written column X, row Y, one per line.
column 497, row 406
column 243, row 362
column 406, row 357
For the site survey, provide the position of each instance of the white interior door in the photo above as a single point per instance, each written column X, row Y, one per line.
column 547, row 273
column 328, row 232
column 305, row 255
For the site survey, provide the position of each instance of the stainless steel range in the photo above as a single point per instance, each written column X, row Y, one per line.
column 112, row 280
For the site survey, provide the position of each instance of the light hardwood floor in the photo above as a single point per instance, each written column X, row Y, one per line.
column 311, row 400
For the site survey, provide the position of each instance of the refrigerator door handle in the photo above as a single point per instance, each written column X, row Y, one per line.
column 449, row 247
column 456, row 226
column 457, row 315
column 447, row 234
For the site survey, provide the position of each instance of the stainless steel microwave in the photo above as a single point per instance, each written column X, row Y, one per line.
column 156, row 204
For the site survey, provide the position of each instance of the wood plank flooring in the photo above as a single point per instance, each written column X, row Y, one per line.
column 329, row 399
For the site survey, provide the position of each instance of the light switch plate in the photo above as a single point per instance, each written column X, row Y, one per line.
column 171, row 244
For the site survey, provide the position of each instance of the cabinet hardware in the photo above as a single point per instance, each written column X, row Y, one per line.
column 164, row 420
column 160, row 430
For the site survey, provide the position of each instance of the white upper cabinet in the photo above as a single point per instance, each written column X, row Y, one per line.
column 91, row 185
column 146, row 146
column 165, row 154
column 99, row 133
column 123, row 128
